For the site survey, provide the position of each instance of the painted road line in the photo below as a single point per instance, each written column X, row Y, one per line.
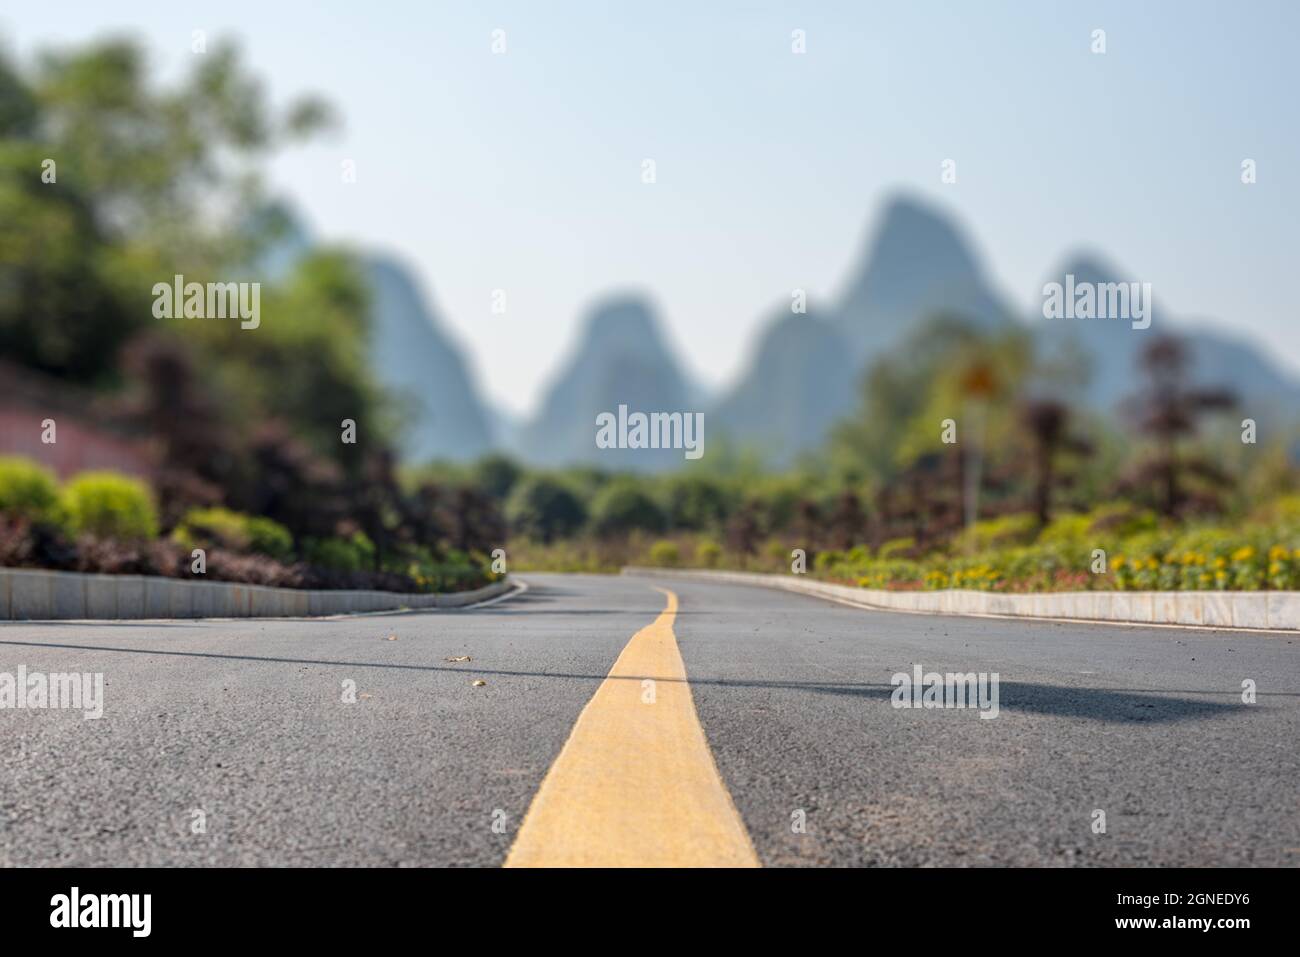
column 635, row 785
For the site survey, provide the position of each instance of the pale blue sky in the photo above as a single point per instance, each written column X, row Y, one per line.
column 522, row 171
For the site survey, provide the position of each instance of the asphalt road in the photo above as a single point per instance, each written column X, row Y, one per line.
column 246, row 721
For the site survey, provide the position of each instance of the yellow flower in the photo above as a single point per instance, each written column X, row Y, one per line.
column 1277, row 552
column 1220, row 563
column 1243, row 554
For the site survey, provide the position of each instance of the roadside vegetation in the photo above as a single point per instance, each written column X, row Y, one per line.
column 109, row 523
column 240, row 433
column 111, row 183
column 1037, row 497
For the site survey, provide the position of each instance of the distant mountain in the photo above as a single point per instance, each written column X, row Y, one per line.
column 1112, row 349
column 801, row 378
column 505, row 426
column 917, row 265
column 804, row 374
column 444, row 417
column 1266, row 393
column 621, row 357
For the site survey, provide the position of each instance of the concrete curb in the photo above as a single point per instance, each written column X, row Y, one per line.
column 1263, row 610
column 36, row 595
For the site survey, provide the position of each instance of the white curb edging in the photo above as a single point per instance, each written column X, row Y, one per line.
column 1267, row 610
column 37, row 595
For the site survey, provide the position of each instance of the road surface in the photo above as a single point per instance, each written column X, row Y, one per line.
column 739, row 726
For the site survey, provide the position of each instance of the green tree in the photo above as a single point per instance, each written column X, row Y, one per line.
column 496, row 475
column 544, row 509
column 696, row 502
column 139, row 170
column 624, row 506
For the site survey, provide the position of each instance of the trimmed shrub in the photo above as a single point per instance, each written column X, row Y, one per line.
column 665, row 554
column 29, row 490
column 1120, row 520
column 110, row 505
column 708, row 554
column 340, row 554
column 1001, row 532
column 896, row 547
column 1069, row 530
column 234, row 531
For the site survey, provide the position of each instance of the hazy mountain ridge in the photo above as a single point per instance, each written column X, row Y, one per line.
column 620, row 357
column 1113, row 349
column 803, row 371
column 420, row 365
column 918, row 265
column 801, row 378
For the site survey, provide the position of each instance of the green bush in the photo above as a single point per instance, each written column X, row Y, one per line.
column 1068, row 530
column 29, row 490
column 895, row 547
column 694, row 502
column 708, row 554
column 1001, row 532
column 456, row 571
column 621, row 507
column 544, row 509
column 234, row 531
column 1115, row 520
column 110, row 505
column 665, row 553
column 340, row 554
column 268, row 537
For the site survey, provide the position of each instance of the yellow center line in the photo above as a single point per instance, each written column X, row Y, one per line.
column 635, row 785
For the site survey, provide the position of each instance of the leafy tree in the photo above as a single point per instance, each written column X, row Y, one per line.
column 194, row 447
column 495, row 475
column 140, row 170
column 286, row 480
column 847, row 524
column 696, row 502
column 623, row 506
column 744, row 529
column 1168, row 410
column 58, row 311
column 544, row 509
column 1048, row 424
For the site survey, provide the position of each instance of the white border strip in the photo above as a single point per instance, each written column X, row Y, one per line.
column 38, row 595
column 1238, row 610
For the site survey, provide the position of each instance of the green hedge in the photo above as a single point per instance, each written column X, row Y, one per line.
column 110, row 505
column 29, row 490
column 234, row 531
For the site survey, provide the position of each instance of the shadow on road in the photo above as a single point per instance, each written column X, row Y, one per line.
column 1112, row 705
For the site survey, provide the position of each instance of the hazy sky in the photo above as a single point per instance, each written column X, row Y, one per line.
column 522, row 171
